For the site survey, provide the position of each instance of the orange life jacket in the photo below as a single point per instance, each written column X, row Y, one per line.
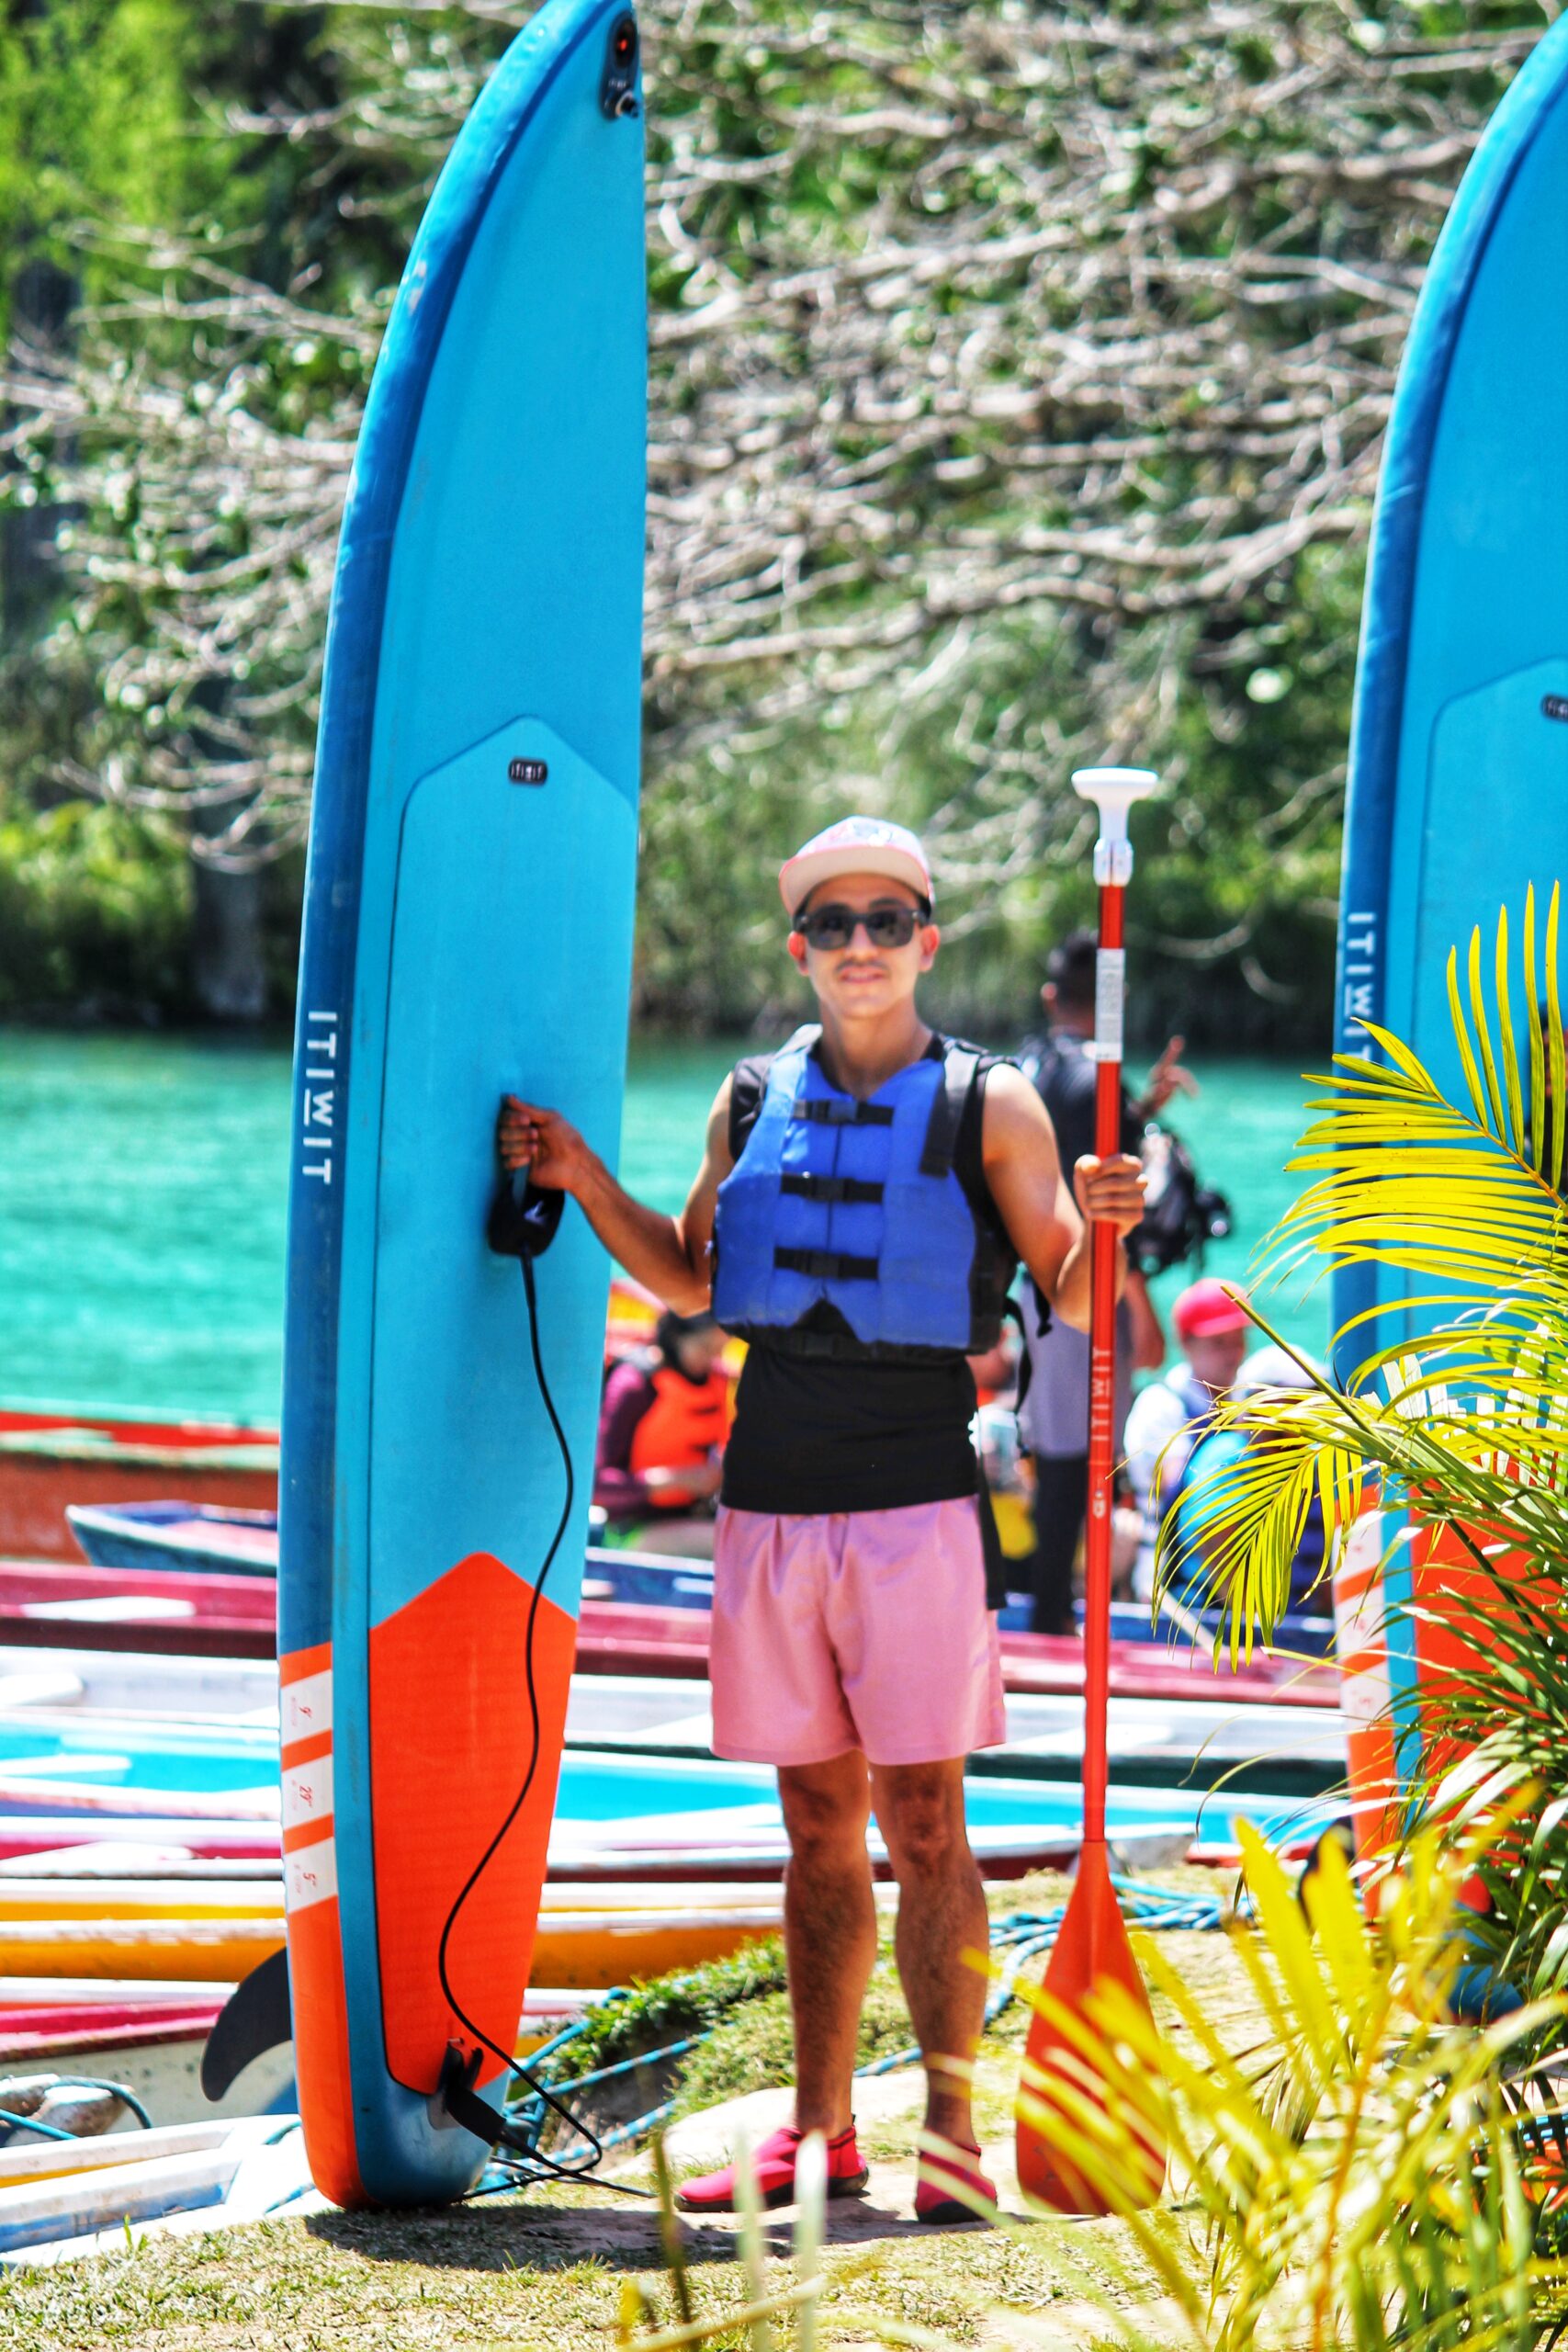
column 685, row 1421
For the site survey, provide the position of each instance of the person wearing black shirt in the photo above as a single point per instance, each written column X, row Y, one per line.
column 1054, row 1416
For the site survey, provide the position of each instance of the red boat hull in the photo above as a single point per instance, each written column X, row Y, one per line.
column 622, row 1637
column 41, row 1606
column 55, row 2029
column 235, row 1616
column 48, row 1460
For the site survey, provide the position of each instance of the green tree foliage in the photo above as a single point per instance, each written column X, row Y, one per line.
column 1018, row 380
column 93, row 913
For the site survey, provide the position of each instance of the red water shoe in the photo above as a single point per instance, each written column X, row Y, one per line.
column 774, row 2164
column 945, row 2172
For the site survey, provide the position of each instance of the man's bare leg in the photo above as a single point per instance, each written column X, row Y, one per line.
column 941, row 1915
column 829, row 1930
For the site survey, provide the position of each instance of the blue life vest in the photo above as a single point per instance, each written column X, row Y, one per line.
column 856, row 1206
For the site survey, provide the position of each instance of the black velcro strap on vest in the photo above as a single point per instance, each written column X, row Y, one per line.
column 961, row 1067
column 835, row 1111
column 832, row 1189
column 826, row 1265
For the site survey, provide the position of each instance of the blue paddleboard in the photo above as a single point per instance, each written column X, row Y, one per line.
column 468, row 932
column 1458, row 756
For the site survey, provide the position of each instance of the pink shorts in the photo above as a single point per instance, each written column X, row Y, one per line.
column 864, row 1629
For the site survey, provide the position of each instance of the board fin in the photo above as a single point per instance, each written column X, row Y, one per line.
column 258, row 2016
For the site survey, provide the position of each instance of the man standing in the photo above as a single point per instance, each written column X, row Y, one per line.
column 1054, row 1415
column 862, row 1197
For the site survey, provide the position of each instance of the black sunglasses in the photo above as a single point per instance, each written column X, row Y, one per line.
column 834, row 926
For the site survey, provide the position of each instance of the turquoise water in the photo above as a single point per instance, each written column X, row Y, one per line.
column 142, row 1194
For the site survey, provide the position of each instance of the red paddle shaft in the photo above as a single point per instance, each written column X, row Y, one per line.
column 1102, row 1369
column 1114, row 791
column 1064, row 2089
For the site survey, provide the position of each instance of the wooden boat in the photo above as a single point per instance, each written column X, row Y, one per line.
column 154, row 2050
column 54, row 1603
column 50, row 1460
column 624, row 1638
column 136, row 1863
column 621, row 1633
column 204, row 1785
column 200, row 1951
column 236, row 1617
column 135, row 1682
column 149, row 2037
column 59, row 2159
column 64, row 2196
column 113, row 1901
column 583, row 1940
column 577, row 1856
column 1203, row 1731
column 48, row 2018
column 1190, row 1743
column 33, row 1839
column 185, row 1690
column 648, row 1579
column 53, row 1459
column 169, row 1537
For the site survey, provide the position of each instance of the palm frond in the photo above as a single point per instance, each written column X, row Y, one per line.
column 1362, row 2182
column 1469, row 1408
column 1404, row 1177
column 1458, row 1426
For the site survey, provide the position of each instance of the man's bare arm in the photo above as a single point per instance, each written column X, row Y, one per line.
column 1025, row 1174
column 668, row 1255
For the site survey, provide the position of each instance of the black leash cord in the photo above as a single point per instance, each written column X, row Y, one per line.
column 549, row 2166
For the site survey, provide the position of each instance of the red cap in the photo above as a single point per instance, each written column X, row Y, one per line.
column 1206, row 1308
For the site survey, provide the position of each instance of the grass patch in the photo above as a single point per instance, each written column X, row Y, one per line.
column 670, row 2008
column 544, row 2271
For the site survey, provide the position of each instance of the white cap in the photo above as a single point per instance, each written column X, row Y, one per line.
column 1271, row 1367
column 856, row 845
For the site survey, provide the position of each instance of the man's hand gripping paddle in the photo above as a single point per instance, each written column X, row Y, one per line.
column 1093, row 1949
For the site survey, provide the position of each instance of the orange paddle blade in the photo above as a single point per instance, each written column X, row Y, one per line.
column 1067, row 2106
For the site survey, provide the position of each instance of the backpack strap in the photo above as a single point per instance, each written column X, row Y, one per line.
column 961, row 1067
column 1012, row 1312
column 749, row 1084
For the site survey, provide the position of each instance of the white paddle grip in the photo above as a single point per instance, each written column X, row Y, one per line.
column 1114, row 791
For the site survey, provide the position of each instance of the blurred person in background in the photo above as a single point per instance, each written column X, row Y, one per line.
column 662, row 1425
column 1053, row 1411
column 1170, row 1417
